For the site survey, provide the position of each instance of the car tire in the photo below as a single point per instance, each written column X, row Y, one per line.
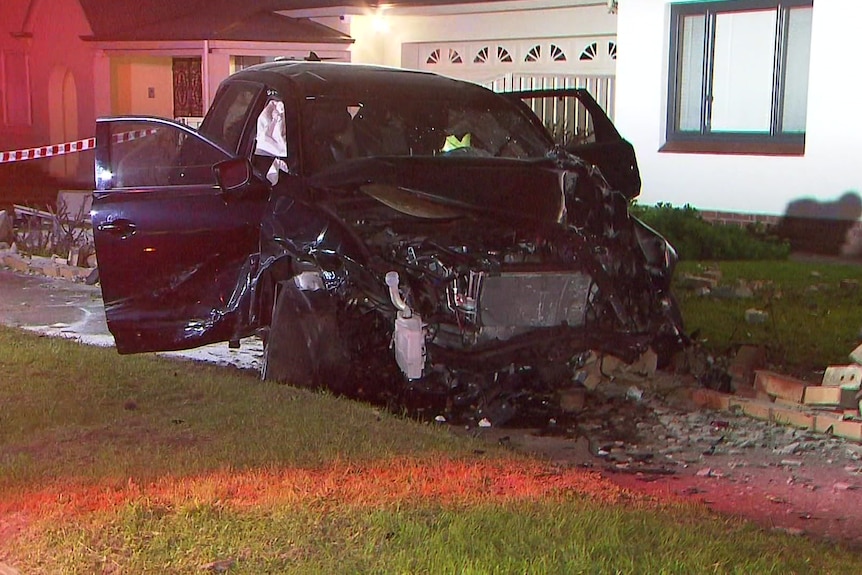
column 304, row 347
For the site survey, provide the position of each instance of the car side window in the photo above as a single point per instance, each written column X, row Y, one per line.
column 150, row 154
column 229, row 117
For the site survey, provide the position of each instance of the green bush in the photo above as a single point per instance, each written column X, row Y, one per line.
column 696, row 239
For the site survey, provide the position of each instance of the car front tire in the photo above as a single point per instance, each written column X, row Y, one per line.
column 304, row 347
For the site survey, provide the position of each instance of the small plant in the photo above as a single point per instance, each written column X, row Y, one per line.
column 696, row 239
column 70, row 229
column 54, row 232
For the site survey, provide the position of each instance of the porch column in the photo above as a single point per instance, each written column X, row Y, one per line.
column 102, row 84
column 215, row 67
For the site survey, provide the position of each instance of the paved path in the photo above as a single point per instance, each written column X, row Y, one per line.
column 73, row 310
column 38, row 301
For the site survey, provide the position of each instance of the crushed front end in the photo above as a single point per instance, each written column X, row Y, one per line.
column 487, row 306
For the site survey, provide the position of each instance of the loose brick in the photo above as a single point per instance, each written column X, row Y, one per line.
column 848, row 430
column 830, row 396
column 16, row 262
column 753, row 408
column 689, row 281
column 710, row 399
column 746, row 391
column 794, row 417
column 755, row 316
column 778, row 385
column 748, row 359
column 846, row 376
column 824, row 423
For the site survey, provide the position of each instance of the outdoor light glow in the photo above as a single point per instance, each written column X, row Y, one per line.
column 379, row 21
column 103, row 176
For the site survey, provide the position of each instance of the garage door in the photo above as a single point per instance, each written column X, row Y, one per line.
column 583, row 62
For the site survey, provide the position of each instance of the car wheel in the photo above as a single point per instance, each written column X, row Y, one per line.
column 304, row 347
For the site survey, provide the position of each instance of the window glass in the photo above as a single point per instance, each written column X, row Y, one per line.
column 338, row 129
column 149, row 154
column 795, row 96
column 742, row 71
column 568, row 121
column 229, row 115
column 691, row 73
column 738, row 76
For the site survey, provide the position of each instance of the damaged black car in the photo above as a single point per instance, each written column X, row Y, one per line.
column 383, row 228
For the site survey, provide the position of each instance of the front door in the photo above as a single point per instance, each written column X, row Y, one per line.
column 175, row 252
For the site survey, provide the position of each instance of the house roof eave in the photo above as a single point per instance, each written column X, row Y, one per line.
column 196, row 47
column 429, row 7
column 240, row 23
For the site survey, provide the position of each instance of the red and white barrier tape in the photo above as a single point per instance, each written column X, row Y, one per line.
column 48, row 151
column 69, row 147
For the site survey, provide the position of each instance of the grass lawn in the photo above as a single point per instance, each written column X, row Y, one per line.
column 134, row 464
column 815, row 311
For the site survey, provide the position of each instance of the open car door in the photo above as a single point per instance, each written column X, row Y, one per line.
column 577, row 121
column 175, row 250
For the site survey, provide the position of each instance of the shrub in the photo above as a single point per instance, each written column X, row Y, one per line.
column 696, row 239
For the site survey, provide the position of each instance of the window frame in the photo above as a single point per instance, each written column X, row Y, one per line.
column 704, row 140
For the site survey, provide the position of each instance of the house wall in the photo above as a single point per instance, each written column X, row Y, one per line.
column 60, row 80
column 142, row 85
column 384, row 46
column 759, row 184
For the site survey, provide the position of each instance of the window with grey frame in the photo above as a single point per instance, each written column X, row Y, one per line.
column 738, row 76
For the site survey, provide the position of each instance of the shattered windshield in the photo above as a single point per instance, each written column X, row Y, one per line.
column 338, row 129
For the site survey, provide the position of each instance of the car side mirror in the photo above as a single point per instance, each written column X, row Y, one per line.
column 233, row 175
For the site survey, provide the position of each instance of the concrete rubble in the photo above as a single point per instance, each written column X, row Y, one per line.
column 67, row 268
column 63, row 230
column 656, row 431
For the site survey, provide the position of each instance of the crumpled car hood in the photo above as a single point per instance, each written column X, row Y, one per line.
column 448, row 187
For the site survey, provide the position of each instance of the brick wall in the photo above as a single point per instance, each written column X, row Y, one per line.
column 738, row 219
column 804, row 234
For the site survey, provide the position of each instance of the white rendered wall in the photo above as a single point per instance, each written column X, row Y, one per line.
column 831, row 164
column 377, row 46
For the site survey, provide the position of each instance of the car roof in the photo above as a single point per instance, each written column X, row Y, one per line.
column 351, row 80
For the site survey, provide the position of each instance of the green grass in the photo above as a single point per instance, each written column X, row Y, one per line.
column 814, row 321
column 77, row 411
column 113, row 464
column 535, row 537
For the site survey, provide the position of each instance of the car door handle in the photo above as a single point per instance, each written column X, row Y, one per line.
column 122, row 228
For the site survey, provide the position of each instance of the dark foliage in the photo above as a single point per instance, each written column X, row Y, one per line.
column 696, row 239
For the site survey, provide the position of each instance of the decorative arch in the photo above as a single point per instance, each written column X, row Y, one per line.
column 534, row 54
column 590, row 51
column 557, row 54
column 63, row 118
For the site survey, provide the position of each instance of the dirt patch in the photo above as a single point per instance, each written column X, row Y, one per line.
column 654, row 443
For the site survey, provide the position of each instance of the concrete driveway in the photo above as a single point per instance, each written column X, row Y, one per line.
column 63, row 308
